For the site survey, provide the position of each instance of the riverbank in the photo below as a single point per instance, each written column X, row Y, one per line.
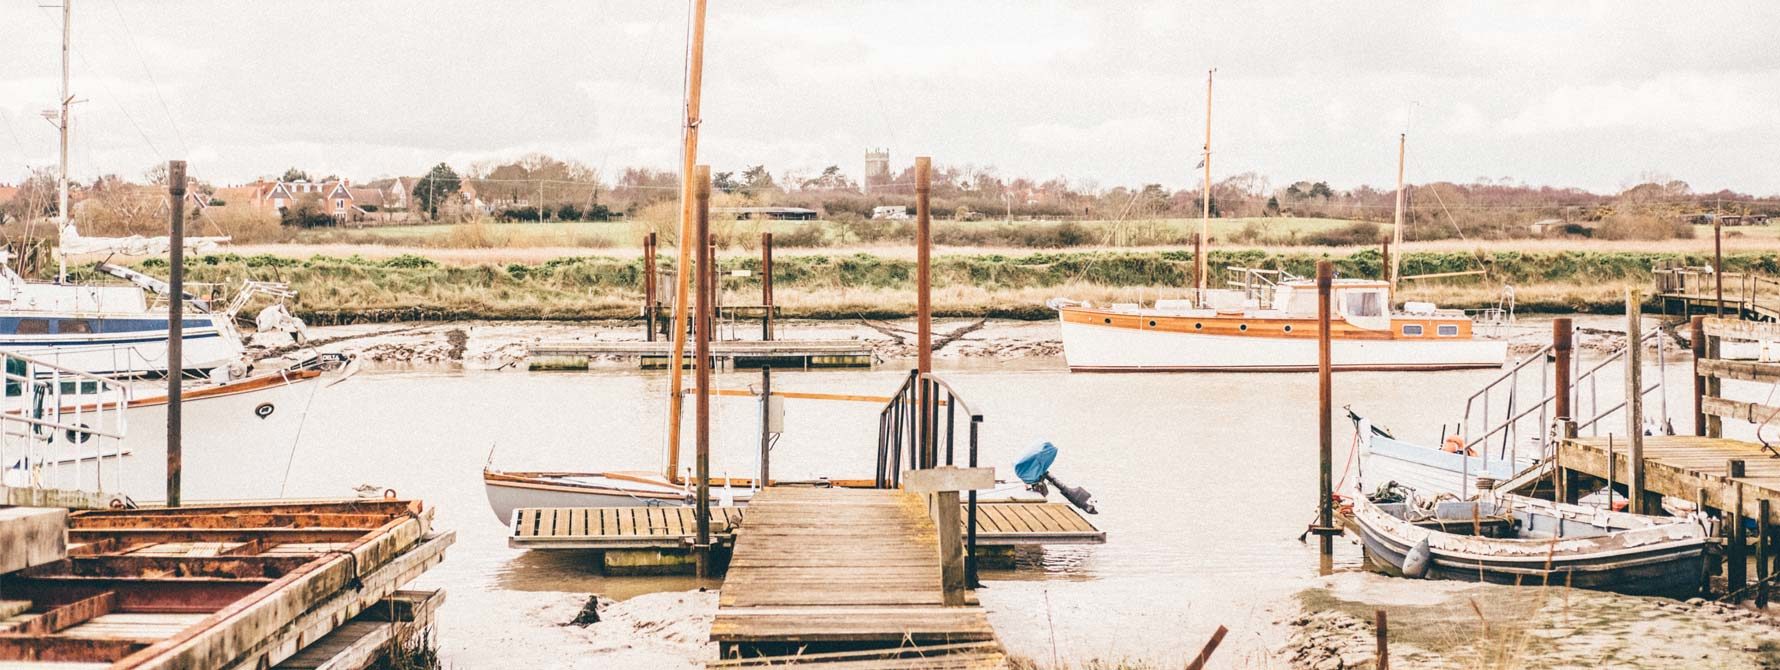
column 1465, row 625
column 357, row 289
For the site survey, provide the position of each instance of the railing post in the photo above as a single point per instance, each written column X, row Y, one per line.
column 1736, row 569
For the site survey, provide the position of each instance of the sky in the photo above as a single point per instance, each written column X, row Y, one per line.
column 1597, row 95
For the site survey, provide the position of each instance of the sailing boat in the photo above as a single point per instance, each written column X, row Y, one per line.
column 110, row 330
column 1266, row 320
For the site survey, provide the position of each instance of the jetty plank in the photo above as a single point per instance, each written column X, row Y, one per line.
column 31, row 536
column 821, row 569
column 997, row 526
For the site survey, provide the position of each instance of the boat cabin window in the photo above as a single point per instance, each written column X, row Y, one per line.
column 1448, row 331
column 1412, row 329
column 74, row 326
column 1364, row 303
column 33, row 326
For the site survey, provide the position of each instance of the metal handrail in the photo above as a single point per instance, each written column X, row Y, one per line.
column 49, row 434
column 1511, row 421
column 904, row 421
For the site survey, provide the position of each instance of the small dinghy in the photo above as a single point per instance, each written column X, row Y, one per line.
column 1520, row 540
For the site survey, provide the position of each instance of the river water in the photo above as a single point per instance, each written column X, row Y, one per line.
column 1204, row 484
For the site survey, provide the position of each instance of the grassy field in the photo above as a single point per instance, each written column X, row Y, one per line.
column 353, row 288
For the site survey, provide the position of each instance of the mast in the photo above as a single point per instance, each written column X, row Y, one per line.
column 1205, row 196
column 62, row 125
column 1397, row 226
column 682, row 269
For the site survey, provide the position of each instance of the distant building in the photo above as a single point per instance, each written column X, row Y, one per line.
column 890, row 212
column 335, row 195
column 768, row 213
column 877, row 169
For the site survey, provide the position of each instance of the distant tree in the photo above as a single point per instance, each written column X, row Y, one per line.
column 1272, row 204
column 438, row 186
column 294, row 174
column 156, row 175
column 757, row 179
column 725, row 182
column 1321, row 190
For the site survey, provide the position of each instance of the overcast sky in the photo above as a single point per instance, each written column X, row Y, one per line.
column 1590, row 94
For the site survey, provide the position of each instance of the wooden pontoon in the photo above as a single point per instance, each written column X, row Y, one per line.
column 212, row 587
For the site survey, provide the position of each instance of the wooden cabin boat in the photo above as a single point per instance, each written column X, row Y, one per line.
column 1273, row 330
column 1542, row 542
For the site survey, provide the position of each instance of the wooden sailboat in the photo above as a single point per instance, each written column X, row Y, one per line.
column 1265, row 320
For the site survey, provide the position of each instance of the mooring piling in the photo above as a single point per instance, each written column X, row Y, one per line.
column 1325, row 280
column 766, row 286
column 924, row 420
column 175, row 330
column 1697, row 327
column 649, row 291
column 766, row 425
column 1736, row 553
column 1383, row 643
column 1634, row 402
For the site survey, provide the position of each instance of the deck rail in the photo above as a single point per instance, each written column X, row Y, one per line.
column 60, row 428
column 912, row 419
column 1745, row 293
column 1507, row 390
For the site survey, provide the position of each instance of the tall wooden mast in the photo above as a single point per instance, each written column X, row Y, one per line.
column 682, row 269
column 1205, row 199
column 1397, row 221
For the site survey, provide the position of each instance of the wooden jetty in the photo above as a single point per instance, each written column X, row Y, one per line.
column 249, row 585
column 1733, row 479
column 999, row 524
column 836, row 570
column 779, row 354
column 1686, row 291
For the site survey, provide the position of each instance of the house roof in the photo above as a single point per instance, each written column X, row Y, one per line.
column 7, row 193
column 367, row 196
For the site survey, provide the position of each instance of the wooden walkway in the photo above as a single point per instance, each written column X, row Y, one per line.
column 999, row 524
column 1685, row 467
column 833, row 570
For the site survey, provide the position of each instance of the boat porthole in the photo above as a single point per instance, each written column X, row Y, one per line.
column 1198, row 326
column 1288, row 328
column 1152, row 324
column 1242, row 327
column 264, row 410
column 80, row 435
column 1106, row 320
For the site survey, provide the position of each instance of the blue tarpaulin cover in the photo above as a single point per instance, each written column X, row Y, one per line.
column 1032, row 467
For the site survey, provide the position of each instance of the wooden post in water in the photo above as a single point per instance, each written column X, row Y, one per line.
column 766, row 285
column 1736, row 557
column 924, row 308
column 1634, row 402
column 1698, row 327
column 702, row 370
column 649, row 296
column 1762, row 549
column 766, row 422
column 1325, row 280
column 1563, row 346
column 1211, row 645
column 175, row 330
column 1384, row 646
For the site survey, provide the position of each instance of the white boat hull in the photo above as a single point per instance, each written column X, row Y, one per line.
column 1094, row 348
column 131, row 353
column 240, row 445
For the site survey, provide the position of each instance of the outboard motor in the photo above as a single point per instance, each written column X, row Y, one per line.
column 1035, row 470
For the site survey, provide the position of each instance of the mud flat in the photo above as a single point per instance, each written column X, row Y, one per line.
column 1462, row 625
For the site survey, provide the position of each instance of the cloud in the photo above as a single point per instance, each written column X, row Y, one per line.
column 1684, row 103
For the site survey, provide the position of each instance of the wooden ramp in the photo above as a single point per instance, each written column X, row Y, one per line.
column 999, row 524
column 833, row 570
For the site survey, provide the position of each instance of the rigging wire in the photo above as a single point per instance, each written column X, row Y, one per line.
column 115, row 99
column 131, row 39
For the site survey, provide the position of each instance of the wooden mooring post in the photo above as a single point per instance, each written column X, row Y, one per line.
column 1736, row 553
column 1697, row 326
column 1563, row 347
column 1634, row 404
column 650, row 299
column 175, row 330
column 1325, row 280
column 1763, row 547
column 766, row 286
column 924, row 422
column 1384, row 645
column 707, row 276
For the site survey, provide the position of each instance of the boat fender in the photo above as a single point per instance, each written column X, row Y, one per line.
column 1455, row 444
column 1418, row 560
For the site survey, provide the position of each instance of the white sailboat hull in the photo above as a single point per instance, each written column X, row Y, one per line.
column 1088, row 347
column 243, row 450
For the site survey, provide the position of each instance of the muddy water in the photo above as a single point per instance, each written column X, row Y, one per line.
column 1204, row 484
